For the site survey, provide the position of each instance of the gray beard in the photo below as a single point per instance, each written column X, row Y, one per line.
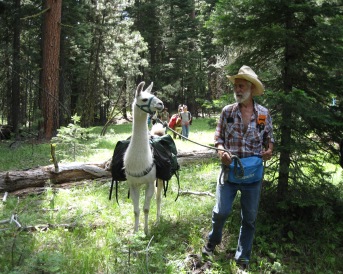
column 243, row 98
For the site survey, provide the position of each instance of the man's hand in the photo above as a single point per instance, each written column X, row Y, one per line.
column 267, row 154
column 224, row 157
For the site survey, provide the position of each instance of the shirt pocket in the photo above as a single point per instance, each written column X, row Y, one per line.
column 254, row 138
column 233, row 131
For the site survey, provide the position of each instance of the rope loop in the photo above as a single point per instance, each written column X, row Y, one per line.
column 237, row 162
column 238, row 173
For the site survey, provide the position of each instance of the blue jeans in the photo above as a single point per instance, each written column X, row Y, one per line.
column 185, row 130
column 250, row 196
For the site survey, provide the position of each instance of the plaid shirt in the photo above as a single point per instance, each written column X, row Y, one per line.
column 230, row 131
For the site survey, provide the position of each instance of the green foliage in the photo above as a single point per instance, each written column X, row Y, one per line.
column 212, row 123
column 89, row 233
column 71, row 140
column 23, row 155
column 95, row 147
column 179, row 48
column 64, row 229
column 104, row 54
column 291, row 45
column 311, row 216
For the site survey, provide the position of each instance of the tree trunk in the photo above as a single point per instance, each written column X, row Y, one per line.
column 67, row 173
column 15, row 98
column 285, row 154
column 286, row 132
column 64, row 96
column 50, row 66
column 92, row 97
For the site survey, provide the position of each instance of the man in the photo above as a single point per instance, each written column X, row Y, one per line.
column 186, row 120
column 244, row 129
column 165, row 115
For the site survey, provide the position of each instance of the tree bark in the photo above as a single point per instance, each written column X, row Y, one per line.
column 11, row 181
column 50, row 66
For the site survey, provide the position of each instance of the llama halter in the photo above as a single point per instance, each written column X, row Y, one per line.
column 146, row 107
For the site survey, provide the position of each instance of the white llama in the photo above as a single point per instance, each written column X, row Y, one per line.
column 138, row 159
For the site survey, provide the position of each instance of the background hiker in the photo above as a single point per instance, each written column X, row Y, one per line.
column 240, row 132
column 175, row 124
column 186, row 119
column 164, row 116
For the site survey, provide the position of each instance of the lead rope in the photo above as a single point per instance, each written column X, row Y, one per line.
column 239, row 173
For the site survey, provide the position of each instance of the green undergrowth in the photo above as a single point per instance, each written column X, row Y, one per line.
column 76, row 229
column 79, row 228
column 91, row 147
column 64, row 229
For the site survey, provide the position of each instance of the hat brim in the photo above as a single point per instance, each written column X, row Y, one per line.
column 259, row 88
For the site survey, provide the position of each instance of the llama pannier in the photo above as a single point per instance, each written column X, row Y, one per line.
column 117, row 164
column 165, row 156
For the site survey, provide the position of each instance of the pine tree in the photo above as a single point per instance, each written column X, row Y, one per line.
column 173, row 32
column 102, row 57
column 295, row 47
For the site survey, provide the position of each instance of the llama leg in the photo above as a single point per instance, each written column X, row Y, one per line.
column 149, row 192
column 158, row 199
column 134, row 193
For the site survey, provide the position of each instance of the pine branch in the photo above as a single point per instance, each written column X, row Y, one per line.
column 35, row 15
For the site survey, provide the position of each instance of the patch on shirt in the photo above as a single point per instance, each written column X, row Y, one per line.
column 229, row 120
column 261, row 121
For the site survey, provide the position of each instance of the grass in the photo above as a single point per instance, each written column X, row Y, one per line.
column 30, row 153
column 78, row 230
column 95, row 235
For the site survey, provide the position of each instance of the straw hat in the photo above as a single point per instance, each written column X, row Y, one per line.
column 248, row 74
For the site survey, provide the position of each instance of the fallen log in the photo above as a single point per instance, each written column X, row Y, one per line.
column 67, row 173
column 45, row 227
column 188, row 157
column 40, row 176
column 188, row 192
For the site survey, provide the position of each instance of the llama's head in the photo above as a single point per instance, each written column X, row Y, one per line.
column 146, row 101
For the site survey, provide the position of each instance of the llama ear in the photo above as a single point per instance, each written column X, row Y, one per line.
column 140, row 88
column 149, row 88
